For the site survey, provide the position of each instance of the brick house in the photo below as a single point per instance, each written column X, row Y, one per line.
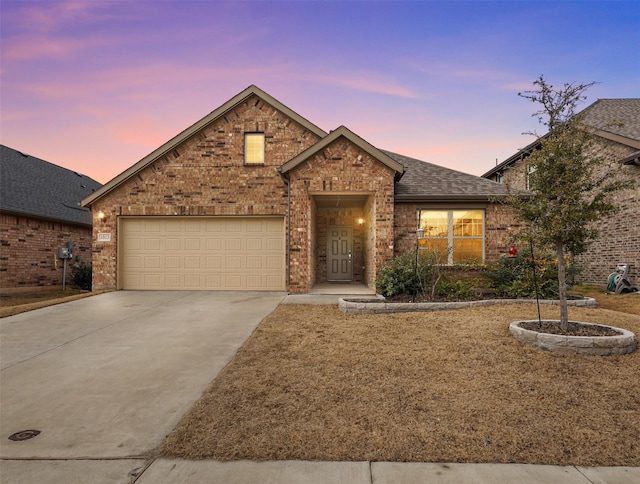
column 40, row 212
column 616, row 125
column 255, row 197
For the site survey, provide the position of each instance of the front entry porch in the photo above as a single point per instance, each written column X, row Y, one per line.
column 342, row 252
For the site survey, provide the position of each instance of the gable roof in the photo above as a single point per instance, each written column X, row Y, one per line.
column 426, row 182
column 619, row 117
column 197, row 127
column 614, row 119
column 34, row 187
column 344, row 132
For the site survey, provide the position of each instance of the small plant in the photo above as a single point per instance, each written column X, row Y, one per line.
column 82, row 276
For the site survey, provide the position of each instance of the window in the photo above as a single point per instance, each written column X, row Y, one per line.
column 456, row 236
column 254, row 147
column 531, row 174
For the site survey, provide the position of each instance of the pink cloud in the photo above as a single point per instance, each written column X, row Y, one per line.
column 367, row 83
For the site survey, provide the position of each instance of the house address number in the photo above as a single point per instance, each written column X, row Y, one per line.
column 104, row 237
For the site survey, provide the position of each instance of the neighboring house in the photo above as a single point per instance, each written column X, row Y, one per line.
column 255, row 197
column 40, row 213
column 616, row 125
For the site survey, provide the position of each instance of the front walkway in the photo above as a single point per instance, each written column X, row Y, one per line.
column 347, row 289
column 329, row 293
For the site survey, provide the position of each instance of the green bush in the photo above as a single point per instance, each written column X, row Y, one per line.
column 398, row 277
column 514, row 277
column 81, row 275
column 406, row 275
column 456, row 289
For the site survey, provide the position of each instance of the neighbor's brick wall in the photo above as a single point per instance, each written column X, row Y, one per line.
column 336, row 170
column 619, row 239
column 29, row 252
column 206, row 175
column 499, row 227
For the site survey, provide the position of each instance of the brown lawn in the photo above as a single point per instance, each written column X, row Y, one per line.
column 313, row 383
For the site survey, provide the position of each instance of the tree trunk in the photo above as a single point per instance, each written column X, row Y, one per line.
column 564, row 310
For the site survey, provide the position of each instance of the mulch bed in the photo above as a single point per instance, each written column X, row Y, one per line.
column 573, row 328
column 313, row 383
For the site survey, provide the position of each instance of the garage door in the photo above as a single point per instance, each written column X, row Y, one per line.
column 209, row 253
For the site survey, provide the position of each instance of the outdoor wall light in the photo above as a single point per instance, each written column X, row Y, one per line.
column 360, row 221
column 101, row 215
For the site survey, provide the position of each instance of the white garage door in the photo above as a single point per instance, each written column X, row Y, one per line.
column 209, row 253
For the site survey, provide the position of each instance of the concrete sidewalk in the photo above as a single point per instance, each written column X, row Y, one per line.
column 106, row 378
column 163, row 471
column 298, row 472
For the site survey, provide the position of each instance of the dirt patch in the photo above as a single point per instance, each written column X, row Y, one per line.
column 573, row 328
column 313, row 383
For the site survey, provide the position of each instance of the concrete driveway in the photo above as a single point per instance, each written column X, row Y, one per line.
column 109, row 376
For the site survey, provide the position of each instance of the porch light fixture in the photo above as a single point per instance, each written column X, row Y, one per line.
column 100, row 214
column 360, row 221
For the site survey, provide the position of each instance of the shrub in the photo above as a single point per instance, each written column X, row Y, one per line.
column 398, row 276
column 81, row 275
column 514, row 277
column 431, row 280
column 456, row 289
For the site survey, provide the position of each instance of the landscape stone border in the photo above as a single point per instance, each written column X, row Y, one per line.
column 621, row 344
column 381, row 306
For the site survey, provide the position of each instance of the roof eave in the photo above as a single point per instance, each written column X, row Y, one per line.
column 519, row 155
column 485, row 197
column 446, row 198
column 18, row 213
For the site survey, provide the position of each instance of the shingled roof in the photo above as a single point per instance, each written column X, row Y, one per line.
column 33, row 187
column 613, row 119
column 616, row 116
column 423, row 181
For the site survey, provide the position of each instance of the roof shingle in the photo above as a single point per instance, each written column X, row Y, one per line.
column 35, row 187
column 617, row 116
column 425, row 181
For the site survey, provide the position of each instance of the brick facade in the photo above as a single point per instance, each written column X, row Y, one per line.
column 619, row 239
column 29, row 257
column 339, row 180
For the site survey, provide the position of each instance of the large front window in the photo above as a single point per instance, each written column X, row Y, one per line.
column 455, row 236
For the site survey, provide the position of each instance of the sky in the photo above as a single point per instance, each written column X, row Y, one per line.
column 94, row 86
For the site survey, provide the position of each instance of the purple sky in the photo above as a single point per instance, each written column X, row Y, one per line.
column 95, row 86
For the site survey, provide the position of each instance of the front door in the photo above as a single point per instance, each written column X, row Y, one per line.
column 339, row 254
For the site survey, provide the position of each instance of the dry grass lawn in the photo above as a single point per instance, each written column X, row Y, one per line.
column 313, row 383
